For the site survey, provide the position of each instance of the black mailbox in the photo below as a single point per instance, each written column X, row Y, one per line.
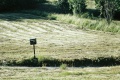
column 33, row 41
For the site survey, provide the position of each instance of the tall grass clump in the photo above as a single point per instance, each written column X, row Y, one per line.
column 83, row 23
column 63, row 66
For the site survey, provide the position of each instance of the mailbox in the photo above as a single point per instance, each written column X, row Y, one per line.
column 33, row 41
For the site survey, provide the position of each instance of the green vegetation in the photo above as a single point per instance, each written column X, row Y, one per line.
column 63, row 66
column 63, row 5
column 108, row 8
column 77, row 6
column 86, row 24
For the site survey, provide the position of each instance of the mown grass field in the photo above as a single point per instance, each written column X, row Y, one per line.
column 48, row 73
column 54, row 39
column 62, row 39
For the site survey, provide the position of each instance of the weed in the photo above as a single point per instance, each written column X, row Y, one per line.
column 63, row 66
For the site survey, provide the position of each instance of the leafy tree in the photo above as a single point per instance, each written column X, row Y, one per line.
column 108, row 8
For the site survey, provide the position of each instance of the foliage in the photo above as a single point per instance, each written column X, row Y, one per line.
column 108, row 8
column 77, row 6
column 100, row 4
column 63, row 5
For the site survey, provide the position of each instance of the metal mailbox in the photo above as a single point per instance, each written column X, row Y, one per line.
column 33, row 41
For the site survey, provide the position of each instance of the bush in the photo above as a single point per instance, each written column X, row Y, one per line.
column 100, row 4
column 63, row 6
column 77, row 6
column 108, row 8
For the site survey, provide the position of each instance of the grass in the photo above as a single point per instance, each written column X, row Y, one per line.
column 56, row 39
column 46, row 73
column 61, row 39
column 82, row 23
column 89, row 20
column 63, row 66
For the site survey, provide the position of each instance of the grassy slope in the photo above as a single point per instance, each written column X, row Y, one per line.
column 55, row 39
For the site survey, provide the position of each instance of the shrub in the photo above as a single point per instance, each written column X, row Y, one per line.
column 100, row 4
column 77, row 6
column 108, row 8
column 63, row 6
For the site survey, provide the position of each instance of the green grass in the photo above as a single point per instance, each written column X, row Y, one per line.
column 63, row 66
column 82, row 23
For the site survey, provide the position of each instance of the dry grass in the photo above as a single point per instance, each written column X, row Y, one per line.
column 48, row 73
column 54, row 39
column 58, row 40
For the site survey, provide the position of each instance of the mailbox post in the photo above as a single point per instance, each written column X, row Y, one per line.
column 33, row 42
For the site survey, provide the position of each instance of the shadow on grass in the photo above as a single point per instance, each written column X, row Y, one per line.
column 25, row 14
column 43, row 11
column 51, row 62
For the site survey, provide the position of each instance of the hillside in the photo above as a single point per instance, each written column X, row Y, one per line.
column 54, row 39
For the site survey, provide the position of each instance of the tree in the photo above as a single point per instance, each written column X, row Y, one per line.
column 108, row 8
